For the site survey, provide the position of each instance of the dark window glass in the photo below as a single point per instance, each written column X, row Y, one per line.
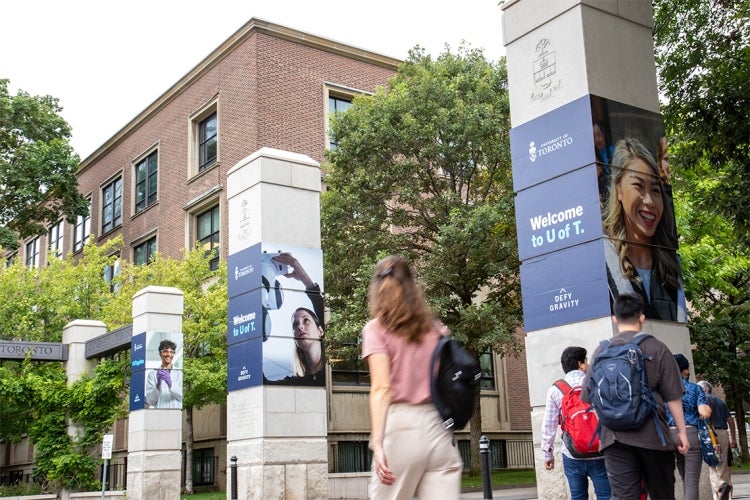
column 144, row 253
column 207, row 142
column 82, row 230
column 112, row 205
column 337, row 105
column 146, row 176
column 55, row 239
column 32, row 253
column 208, row 232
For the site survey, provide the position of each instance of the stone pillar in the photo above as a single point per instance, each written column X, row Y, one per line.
column 154, row 435
column 574, row 66
column 276, row 416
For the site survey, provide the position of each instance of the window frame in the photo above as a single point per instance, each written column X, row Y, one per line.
column 340, row 93
column 116, row 221
column 215, row 245
column 82, row 227
column 146, row 243
column 148, row 198
column 195, row 122
column 56, row 239
column 32, row 257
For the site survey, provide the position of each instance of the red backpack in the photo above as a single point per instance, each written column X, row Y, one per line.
column 579, row 423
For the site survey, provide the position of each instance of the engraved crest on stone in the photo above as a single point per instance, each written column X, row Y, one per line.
column 544, row 71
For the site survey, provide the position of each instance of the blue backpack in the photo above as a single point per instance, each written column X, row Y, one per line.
column 618, row 389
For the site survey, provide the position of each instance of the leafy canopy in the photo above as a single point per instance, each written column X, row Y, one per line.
column 422, row 169
column 38, row 183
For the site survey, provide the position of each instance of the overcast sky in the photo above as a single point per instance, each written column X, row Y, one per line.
column 106, row 61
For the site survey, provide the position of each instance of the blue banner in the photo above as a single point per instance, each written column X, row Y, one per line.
column 558, row 213
column 244, row 271
column 138, row 353
column 244, row 362
column 566, row 286
column 137, row 390
column 552, row 144
column 245, row 317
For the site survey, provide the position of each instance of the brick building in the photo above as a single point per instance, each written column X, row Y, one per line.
column 160, row 182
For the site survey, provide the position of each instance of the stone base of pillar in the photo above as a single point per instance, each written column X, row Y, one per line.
column 155, row 474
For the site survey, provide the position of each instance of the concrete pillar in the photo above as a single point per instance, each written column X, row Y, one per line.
column 276, row 417
column 75, row 335
column 154, row 435
column 572, row 63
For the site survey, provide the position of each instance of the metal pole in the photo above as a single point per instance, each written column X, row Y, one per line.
column 484, row 451
column 233, row 468
column 104, row 477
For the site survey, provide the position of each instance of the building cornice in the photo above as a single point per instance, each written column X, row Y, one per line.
column 254, row 25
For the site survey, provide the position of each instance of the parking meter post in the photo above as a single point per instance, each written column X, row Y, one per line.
column 484, row 451
column 233, row 468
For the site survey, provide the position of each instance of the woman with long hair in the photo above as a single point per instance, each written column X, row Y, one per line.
column 412, row 453
column 640, row 253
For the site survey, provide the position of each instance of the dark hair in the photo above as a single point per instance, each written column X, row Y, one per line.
column 682, row 361
column 571, row 356
column 167, row 344
column 310, row 312
column 628, row 307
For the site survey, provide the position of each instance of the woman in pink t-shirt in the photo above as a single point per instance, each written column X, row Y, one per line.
column 412, row 453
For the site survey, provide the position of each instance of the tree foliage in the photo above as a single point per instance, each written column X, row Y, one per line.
column 422, row 169
column 35, row 398
column 38, row 184
column 703, row 56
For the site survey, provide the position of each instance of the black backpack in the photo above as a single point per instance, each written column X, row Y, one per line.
column 454, row 377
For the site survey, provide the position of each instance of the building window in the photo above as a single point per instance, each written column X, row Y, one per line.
column 111, row 271
column 204, row 466
column 488, row 371
column 82, row 230
column 207, row 142
column 32, row 253
column 11, row 259
column 112, row 205
column 144, row 253
column 337, row 104
column 351, row 369
column 146, row 172
column 55, row 239
column 208, row 232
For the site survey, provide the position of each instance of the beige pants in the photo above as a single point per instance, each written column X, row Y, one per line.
column 721, row 473
column 421, row 455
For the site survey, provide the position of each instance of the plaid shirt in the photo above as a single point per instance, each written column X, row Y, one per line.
column 552, row 414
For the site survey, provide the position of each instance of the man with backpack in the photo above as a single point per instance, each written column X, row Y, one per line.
column 563, row 408
column 635, row 439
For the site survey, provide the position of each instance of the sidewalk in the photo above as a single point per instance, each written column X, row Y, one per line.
column 741, row 491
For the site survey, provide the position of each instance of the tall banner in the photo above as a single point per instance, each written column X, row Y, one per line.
column 595, row 215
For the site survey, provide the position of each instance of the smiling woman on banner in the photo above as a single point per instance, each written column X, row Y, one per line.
column 640, row 252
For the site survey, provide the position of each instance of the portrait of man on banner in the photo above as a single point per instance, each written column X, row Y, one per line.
column 163, row 385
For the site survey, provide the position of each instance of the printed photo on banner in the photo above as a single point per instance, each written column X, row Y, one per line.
column 163, row 381
column 293, row 316
column 641, row 245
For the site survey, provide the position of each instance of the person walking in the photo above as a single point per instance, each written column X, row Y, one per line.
column 577, row 470
column 637, row 457
column 694, row 407
column 721, row 419
column 412, row 453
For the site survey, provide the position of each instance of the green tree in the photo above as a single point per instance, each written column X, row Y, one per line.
column 204, row 326
column 422, row 169
column 703, row 58
column 34, row 397
column 38, row 182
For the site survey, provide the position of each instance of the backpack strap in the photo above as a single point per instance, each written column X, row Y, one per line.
column 563, row 386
